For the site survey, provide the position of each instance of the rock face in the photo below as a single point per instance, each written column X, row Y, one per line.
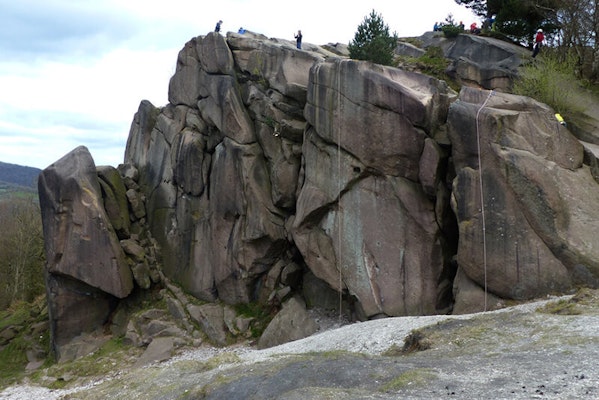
column 363, row 218
column 220, row 163
column 539, row 222
column 264, row 144
column 272, row 168
column 86, row 267
column 484, row 62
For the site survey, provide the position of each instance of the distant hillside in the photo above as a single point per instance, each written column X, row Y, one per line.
column 14, row 176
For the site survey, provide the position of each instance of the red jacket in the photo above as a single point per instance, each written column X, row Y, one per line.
column 539, row 37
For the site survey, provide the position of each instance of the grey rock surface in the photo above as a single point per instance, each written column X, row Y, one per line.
column 546, row 349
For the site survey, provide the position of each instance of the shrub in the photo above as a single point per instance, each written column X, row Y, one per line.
column 373, row 42
column 450, row 29
column 550, row 80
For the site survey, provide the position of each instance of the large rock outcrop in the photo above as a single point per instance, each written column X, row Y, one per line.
column 246, row 132
column 271, row 164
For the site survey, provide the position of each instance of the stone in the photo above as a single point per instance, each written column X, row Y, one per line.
column 141, row 274
column 159, row 349
column 115, row 200
column 478, row 60
column 210, row 317
column 134, row 250
column 291, row 323
column 82, row 243
column 136, row 203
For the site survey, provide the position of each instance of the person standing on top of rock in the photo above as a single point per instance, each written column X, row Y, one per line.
column 217, row 28
column 298, row 39
column 539, row 39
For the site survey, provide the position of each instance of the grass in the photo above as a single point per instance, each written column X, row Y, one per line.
column 17, row 314
column 21, row 316
column 410, row 378
column 584, row 301
column 560, row 307
column 415, row 341
column 13, row 361
column 100, row 363
column 432, row 63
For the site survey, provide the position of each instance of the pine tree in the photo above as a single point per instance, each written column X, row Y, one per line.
column 373, row 42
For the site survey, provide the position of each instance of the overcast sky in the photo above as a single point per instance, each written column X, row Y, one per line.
column 73, row 72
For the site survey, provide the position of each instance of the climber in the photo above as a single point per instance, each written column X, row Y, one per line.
column 539, row 40
column 217, row 28
column 298, row 39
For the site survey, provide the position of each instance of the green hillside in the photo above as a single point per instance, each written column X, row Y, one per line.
column 18, row 180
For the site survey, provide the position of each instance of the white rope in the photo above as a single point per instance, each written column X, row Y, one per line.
column 339, row 192
column 482, row 199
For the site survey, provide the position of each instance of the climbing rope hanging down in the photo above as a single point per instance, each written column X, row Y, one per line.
column 340, row 230
column 482, row 198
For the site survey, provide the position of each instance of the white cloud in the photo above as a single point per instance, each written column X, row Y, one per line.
column 74, row 73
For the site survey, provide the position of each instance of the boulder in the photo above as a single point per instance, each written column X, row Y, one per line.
column 211, row 318
column 378, row 114
column 291, row 323
column 159, row 349
column 532, row 223
column 488, row 62
column 86, row 267
column 408, row 49
column 480, row 61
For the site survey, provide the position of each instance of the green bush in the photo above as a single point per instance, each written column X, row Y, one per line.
column 373, row 42
column 451, row 31
column 550, row 79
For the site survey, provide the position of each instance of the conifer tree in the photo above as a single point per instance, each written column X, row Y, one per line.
column 373, row 42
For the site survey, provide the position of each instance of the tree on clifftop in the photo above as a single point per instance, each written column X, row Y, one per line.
column 518, row 19
column 373, row 42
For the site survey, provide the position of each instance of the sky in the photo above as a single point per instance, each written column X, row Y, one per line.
column 73, row 72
